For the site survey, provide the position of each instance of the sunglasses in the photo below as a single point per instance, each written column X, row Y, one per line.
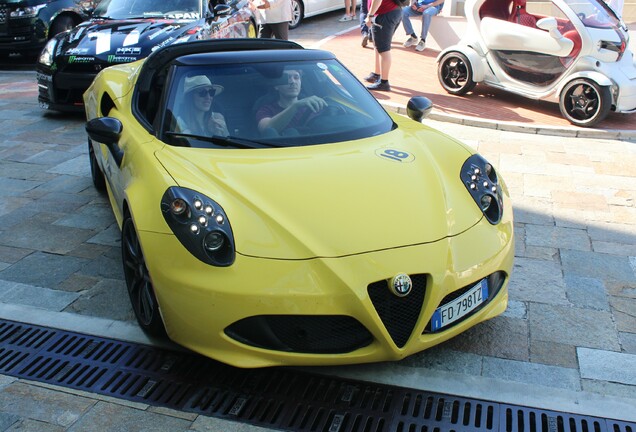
column 205, row 92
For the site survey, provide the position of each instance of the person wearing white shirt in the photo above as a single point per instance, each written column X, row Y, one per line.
column 272, row 17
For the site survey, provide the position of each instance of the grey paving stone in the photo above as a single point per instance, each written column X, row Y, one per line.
column 537, row 281
column 43, row 298
column 117, row 418
column 628, row 342
column 572, row 326
column 43, row 269
column 442, row 358
column 609, row 389
column 45, row 405
column 597, row 265
column 499, row 337
column 107, row 299
column 59, row 202
column 516, row 309
column 78, row 283
column 91, row 251
column 6, row 420
column 13, row 187
column 28, row 425
column 77, row 166
column 554, row 354
column 531, row 373
column 12, row 254
column 528, row 215
column 614, row 233
column 104, row 266
column 9, row 204
column 542, row 253
column 92, row 216
column 109, row 237
column 48, row 157
column 36, row 233
column 586, row 292
column 557, row 237
column 602, row 365
column 624, row 313
column 65, row 184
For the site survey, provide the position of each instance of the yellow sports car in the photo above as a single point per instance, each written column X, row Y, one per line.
column 273, row 213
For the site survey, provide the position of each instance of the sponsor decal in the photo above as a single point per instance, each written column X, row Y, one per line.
column 121, row 59
column 184, row 16
column 163, row 44
column 162, row 31
column 78, row 59
column 44, row 78
column 76, row 51
column 128, row 51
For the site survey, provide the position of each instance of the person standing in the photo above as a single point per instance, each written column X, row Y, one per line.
column 364, row 29
column 350, row 11
column 427, row 9
column 272, row 17
column 383, row 20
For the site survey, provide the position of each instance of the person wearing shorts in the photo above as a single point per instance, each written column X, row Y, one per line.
column 383, row 20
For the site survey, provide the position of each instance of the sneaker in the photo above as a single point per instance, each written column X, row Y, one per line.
column 420, row 45
column 365, row 39
column 380, row 86
column 346, row 18
column 372, row 77
column 410, row 42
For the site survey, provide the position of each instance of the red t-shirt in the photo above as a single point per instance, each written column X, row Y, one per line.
column 385, row 6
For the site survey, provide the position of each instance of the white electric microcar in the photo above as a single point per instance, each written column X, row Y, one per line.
column 571, row 51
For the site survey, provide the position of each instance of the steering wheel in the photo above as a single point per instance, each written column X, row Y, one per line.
column 323, row 118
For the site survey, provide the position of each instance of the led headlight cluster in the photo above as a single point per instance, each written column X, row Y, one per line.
column 481, row 180
column 200, row 224
column 47, row 54
column 26, row 12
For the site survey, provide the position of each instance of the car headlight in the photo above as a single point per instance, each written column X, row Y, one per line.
column 26, row 12
column 480, row 178
column 200, row 224
column 46, row 56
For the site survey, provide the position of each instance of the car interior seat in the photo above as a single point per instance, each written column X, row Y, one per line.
column 499, row 9
column 521, row 15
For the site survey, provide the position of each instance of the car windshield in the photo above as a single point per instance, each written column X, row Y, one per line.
column 128, row 9
column 274, row 104
column 594, row 13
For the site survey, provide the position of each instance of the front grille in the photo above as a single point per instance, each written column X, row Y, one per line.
column 317, row 334
column 495, row 282
column 398, row 314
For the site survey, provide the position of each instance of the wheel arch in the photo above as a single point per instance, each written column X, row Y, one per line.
column 478, row 72
column 597, row 77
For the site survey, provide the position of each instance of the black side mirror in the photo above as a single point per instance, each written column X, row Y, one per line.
column 107, row 130
column 419, row 107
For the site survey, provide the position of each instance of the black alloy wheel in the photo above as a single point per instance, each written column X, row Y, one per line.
column 455, row 73
column 142, row 295
column 96, row 172
column 585, row 103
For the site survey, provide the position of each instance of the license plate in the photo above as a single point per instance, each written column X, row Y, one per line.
column 461, row 306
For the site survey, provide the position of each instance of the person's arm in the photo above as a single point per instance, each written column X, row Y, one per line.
column 282, row 119
column 373, row 10
column 217, row 124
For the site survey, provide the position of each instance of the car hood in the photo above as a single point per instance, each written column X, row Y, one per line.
column 336, row 199
column 121, row 41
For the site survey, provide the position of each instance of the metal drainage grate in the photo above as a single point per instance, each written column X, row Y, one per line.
column 278, row 398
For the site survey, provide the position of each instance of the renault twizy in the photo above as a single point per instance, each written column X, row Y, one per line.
column 570, row 51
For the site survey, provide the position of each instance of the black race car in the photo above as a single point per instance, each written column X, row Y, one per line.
column 123, row 31
column 26, row 25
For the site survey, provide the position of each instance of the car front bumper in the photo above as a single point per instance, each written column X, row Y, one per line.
column 63, row 91
column 200, row 302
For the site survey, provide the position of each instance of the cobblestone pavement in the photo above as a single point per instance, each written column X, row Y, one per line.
column 567, row 341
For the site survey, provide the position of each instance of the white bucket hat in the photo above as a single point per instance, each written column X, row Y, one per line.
column 200, row 81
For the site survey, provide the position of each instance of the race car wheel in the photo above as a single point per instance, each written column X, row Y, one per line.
column 142, row 295
column 96, row 172
column 298, row 12
column 61, row 24
column 585, row 103
column 455, row 73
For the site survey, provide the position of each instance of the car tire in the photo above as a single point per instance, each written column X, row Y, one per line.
column 585, row 103
column 140, row 289
column 96, row 172
column 298, row 13
column 455, row 73
column 252, row 31
column 61, row 24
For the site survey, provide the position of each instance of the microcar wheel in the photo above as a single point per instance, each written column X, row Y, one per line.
column 585, row 103
column 251, row 30
column 96, row 172
column 455, row 73
column 298, row 11
column 140, row 290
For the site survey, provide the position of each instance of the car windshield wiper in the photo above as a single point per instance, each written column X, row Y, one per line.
column 225, row 141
